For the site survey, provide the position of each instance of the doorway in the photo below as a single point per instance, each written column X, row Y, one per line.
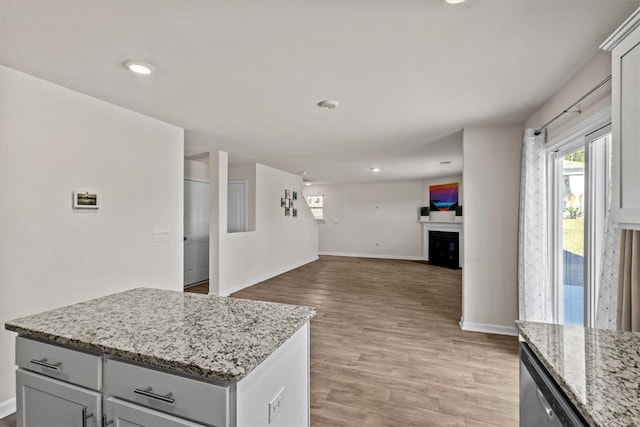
column 579, row 171
column 196, row 231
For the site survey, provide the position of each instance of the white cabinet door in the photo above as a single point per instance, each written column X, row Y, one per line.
column 626, row 127
column 125, row 414
column 46, row 402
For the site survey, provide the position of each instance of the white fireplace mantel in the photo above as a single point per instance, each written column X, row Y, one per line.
column 451, row 226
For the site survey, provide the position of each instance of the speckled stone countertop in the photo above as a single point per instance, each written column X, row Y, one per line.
column 598, row 369
column 220, row 339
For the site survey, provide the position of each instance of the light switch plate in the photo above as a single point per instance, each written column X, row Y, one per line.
column 160, row 236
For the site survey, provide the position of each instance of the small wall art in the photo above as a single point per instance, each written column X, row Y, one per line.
column 85, row 199
column 288, row 202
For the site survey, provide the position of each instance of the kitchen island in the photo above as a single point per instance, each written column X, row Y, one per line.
column 157, row 357
column 598, row 370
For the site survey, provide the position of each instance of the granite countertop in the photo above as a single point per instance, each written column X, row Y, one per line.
column 598, row 369
column 216, row 338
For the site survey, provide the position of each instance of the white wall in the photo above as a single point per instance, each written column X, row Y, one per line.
column 196, row 169
column 373, row 220
column 593, row 73
column 279, row 243
column 492, row 157
column 53, row 141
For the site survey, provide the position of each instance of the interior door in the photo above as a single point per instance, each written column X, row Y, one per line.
column 47, row 402
column 196, row 231
column 237, row 214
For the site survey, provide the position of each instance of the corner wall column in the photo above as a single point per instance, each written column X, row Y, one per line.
column 218, row 177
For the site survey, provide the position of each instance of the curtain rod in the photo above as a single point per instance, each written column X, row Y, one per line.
column 568, row 109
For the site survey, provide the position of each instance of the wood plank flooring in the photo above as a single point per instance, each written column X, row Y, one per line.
column 8, row 421
column 386, row 348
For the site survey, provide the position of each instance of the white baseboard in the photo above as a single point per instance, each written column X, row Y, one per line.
column 349, row 254
column 488, row 329
column 7, row 407
column 264, row 277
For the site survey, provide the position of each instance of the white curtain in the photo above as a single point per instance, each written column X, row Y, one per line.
column 534, row 291
column 607, row 304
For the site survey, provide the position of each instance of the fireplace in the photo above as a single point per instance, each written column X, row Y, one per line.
column 444, row 249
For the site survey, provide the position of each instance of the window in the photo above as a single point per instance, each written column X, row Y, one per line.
column 316, row 204
column 572, row 212
column 579, row 187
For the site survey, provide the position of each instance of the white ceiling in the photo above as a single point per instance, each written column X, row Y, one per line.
column 245, row 76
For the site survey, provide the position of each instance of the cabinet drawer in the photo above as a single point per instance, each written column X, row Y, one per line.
column 73, row 366
column 173, row 394
column 123, row 413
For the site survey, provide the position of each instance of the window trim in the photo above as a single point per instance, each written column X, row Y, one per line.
column 593, row 258
column 569, row 141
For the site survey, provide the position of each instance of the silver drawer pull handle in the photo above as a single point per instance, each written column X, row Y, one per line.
column 43, row 362
column 545, row 404
column 149, row 393
column 85, row 417
column 106, row 423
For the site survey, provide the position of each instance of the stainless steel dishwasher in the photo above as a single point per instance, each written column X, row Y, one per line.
column 542, row 403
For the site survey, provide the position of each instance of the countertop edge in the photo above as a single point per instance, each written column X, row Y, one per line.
column 152, row 360
column 568, row 391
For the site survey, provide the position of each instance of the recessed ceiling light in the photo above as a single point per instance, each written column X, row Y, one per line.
column 455, row 1
column 139, row 67
column 328, row 104
column 307, row 183
column 375, row 169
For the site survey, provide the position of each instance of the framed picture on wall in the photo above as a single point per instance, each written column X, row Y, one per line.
column 287, row 194
column 295, row 196
column 283, row 202
column 85, row 200
column 295, row 212
column 443, row 197
column 287, row 212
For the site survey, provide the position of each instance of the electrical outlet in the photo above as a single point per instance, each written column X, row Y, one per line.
column 276, row 405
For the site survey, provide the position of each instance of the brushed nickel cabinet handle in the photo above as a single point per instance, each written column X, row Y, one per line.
column 85, row 417
column 148, row 392
column 545, row 404
column 106, row 423
column 43, row 362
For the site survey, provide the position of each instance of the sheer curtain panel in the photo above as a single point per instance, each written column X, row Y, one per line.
column 534, row 291
column 607, row 304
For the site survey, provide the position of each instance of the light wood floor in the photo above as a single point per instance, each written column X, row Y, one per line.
column 9, row 421
column 386, row 348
